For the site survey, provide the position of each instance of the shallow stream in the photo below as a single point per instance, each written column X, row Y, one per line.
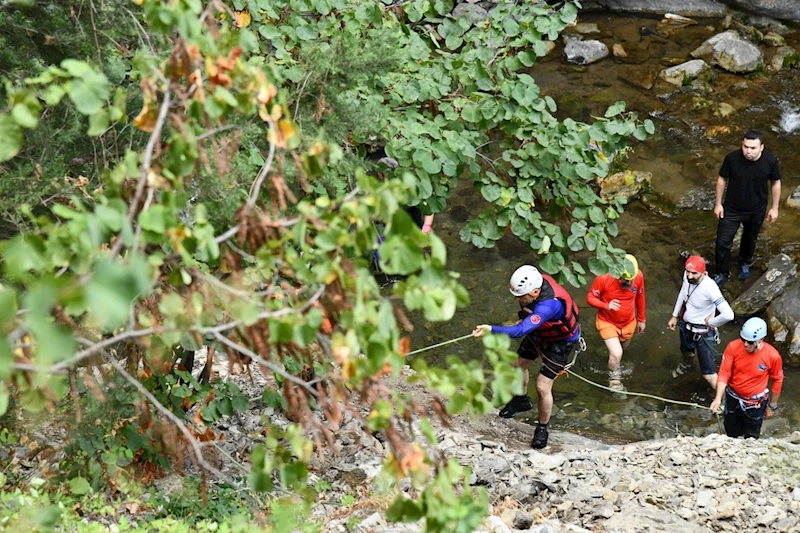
column 684, row 157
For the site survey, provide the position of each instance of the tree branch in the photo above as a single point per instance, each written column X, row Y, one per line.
column 262, row 175
column 148, row 159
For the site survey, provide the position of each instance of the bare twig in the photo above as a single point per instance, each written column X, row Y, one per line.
column 148, row 159
column 209, row 133
column 198, row 453
column 95, row 347
column 33, row 368
column 262, row 175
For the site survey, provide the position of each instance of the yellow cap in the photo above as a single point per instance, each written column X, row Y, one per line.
column 630, row 267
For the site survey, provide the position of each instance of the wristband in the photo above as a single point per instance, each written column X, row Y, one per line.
column 773, row 407
column 426, row 228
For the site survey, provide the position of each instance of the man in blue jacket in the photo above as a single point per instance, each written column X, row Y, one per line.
column 549, row 325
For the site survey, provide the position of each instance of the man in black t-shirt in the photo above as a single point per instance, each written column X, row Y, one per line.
column 751, row 175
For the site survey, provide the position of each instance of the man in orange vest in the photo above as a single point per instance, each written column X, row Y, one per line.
column 747, row 366
column 549, row 323
column 621, row 313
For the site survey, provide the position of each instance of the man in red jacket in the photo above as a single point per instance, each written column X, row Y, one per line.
column 747, row 366
column 621, row 312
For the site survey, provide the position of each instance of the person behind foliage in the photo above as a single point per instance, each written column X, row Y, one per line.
column 695, row 307
column 549, row 324
column 747, row 366
column 621, row 313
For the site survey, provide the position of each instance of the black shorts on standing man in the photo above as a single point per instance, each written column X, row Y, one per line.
column 751, row 175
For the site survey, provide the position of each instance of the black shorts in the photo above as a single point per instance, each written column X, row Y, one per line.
column 554, row 354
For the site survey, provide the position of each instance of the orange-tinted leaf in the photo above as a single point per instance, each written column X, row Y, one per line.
column 241, row 19
column 403, row 345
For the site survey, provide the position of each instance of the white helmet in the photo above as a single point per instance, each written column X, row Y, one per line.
column 525, row 280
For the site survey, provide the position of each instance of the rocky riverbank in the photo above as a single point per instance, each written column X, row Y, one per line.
column 684, row 484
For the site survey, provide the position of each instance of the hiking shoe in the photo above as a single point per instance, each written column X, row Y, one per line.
column 719, row 279
column 539, row 437
column 744, row 271
column 616, row 384
column 517, row 404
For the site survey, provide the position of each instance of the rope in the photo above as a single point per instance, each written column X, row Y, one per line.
column 654, row 397
column 565, row 372
column 431, row 347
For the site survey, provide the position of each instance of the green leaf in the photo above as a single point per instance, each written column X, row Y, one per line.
column 10, row 138
column 8, row 305
column 153, row 219
column 649, row 127
column 552, row 262
column 98, row 123
column 597, row 266
column 76, row 68
column 25, row 116
column 89, row 93
column 615, row 109
column 79, row 486
column 113, row 289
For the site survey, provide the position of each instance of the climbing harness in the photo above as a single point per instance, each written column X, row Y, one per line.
column 751, row 402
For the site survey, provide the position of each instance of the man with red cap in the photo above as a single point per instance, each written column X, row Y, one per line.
column 695, row 316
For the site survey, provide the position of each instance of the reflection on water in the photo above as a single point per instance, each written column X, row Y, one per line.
column 684, row 157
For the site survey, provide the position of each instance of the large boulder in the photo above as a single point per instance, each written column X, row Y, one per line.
column 784, row 321
column 628, row 184
column 688, row 8
column 778, row 9
column 781, row 271
column 585, row 52
column 730, row 51
column 685, row 72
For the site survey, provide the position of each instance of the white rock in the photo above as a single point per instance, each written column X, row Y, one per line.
column 731, row 52
column 704, row 498
column 679, row 74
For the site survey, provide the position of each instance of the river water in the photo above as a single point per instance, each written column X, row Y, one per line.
column 684, row 157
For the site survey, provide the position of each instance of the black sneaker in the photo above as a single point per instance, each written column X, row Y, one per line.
column 517, row 404
column 539, row 437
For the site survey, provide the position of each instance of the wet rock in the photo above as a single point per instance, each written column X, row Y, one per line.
column 660, row 204
column 779, row 60
column 794, row 199
column 585, row 28
column 618, row 50
column 688, row 8
column 681, row 74
column 473, row 13
column 585, row 52
column 778, row 9
column 724, row 109
column 628, row 184
column 781, row 271
column 773, row 39
column 672, row 23
column 639, row 78
column 569, row 105
column 628, row 32
column 784, row 321
column 730, row 52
